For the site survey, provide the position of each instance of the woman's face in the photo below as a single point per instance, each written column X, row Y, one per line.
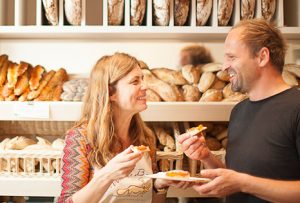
column 130, row 92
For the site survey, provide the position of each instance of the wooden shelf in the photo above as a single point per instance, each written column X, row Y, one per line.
column 125, row 32
column 156, row 111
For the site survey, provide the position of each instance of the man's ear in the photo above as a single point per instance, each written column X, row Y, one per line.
column 263, row 56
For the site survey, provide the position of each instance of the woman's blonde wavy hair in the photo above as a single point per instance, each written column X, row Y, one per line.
column 97, row 110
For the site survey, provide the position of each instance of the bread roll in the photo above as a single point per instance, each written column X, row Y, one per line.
column 218, row 84
column 169, row 76
column 137, row 11
column 152, row 96
column 225, row 8
column 203, row 11
column 191, row 93
column 58, row 144
column 206, row 80
column 212, row 95
column 163, row 89
column 191, row 74
column 211, row 67
column 115, row 12
column 51, row 11
column 161, row 12
column 223, row 75
column 289, row 78
column 247, row 9
column 73, row 11
column 268, row 8
column 181, row 11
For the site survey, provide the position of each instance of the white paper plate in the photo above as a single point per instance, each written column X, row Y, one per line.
column 162, row 175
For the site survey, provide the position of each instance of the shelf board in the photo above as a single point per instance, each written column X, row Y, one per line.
column 183, row 33
column 156, row 111
column 23, row 186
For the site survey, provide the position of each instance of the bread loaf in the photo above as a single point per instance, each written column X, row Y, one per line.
column 137, row 11
column 46, row 78
column 203, row 11
column 161, row 12
column 22, row 84
column 163, row 89
column 181, row 11
column 191, row 74
column 247, row 9
column 115, row 12
column 225, row 8
column 268, row 9
column 212, row 95
column 51, row 11
column 169, row 76
column 191, row 93
column 35, row 77
column 152, row 96
column 206, row 80
column 73, row 11
column 3, row 72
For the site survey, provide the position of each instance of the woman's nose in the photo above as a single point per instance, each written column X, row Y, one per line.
column 144, row 86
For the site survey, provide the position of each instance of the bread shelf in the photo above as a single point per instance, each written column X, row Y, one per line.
column 156, row 111
column 125, row 33
column 46, row 187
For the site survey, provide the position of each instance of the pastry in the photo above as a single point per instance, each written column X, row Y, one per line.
column 141, row 148
column 177, row 174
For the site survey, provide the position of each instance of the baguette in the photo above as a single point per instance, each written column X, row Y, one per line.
column 115, row 12
column 137, row 11
column 46, row 78
column 22, row 68
column 22, row 84
column 56, row 93
column 181, row 11
column 58, row 79
column 12, row 75
column 3, row 72
column 268, row 9
column 161, row 13
column 23, row 97
column 51, row 11
column 247, row 9
column 225, row 8
column 6, row 90
column 73, row 11
column 35, row 77
column 203, row 11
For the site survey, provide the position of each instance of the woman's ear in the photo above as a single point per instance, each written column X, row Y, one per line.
column 263, row 56
column 112, row 93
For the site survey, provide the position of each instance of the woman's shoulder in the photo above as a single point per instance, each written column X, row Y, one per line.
column 77, row 132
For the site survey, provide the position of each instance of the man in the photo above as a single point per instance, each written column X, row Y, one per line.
column 263, row 153
column 195, row 55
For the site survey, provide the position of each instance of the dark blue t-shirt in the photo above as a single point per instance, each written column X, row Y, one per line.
column 264, row 139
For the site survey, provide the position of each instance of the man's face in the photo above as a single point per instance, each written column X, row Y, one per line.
column 239, row 63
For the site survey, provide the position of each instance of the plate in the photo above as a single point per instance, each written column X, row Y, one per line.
column 162, row 175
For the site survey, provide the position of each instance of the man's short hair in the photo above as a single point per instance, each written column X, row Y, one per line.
column 258, row 33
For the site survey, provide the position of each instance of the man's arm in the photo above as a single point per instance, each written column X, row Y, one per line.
column 226, row 182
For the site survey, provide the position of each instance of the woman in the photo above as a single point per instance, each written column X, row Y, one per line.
column 98, row 163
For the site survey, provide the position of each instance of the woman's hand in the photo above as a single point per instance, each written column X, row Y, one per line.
column 194, row 146
column 121, row 165
column 162, row 183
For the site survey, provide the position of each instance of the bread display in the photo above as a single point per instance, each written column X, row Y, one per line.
column 169, row 76
column 74, row 90
column 115, row 12
column 177, row 174
column 181, row 12
column 51, row 11
column 268, row 8
column 203, row 11
column 137, row 11
column 161, row 12
column 225, row 8
column 73, row 11
column 247, row 9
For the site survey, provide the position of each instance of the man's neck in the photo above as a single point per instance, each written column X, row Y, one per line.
column 267, row 85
